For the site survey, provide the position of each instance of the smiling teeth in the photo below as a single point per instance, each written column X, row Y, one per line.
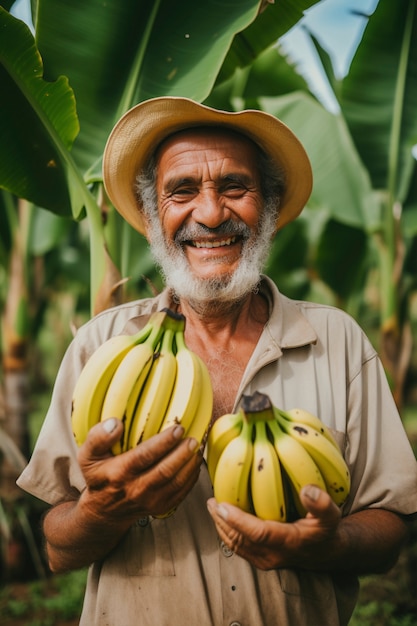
column 214, row 244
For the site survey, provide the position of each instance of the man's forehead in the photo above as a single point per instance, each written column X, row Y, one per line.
column 204, row 134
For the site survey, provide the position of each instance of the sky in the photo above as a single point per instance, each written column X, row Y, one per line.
column 338, row 30
column 334, row 24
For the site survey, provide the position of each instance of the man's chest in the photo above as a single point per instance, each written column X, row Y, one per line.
column 226, row 372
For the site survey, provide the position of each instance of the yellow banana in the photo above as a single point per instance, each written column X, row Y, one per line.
column 231, row 478
column 201, row 421
column 156, row 393
column 297, row 463
column 224, row 429
column 328, row 459
column 91, row 386
column 130, row 408
column 266, row 480
column 304, row 417
column 134, row 367
column 187, row 388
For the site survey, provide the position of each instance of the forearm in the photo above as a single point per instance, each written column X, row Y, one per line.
column 75, row 539
column 362, row 543
column 367, row 542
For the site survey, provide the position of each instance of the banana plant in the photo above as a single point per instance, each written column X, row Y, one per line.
column 362, row 214
column 87, row 64
column 378, row 100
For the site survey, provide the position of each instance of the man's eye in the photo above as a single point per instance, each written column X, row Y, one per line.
column 233, row 188
column 182, row 192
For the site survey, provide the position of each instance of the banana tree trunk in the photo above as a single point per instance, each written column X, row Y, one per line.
column 16, row 334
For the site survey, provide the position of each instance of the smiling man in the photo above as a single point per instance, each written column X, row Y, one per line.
column 211, row 228
column 210, row 189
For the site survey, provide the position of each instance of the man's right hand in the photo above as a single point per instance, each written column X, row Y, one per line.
column 150, row 479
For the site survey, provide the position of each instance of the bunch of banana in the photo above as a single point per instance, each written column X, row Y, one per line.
column 260, row 458
column 149, row 380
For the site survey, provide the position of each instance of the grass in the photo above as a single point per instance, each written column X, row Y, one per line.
column 56, row 601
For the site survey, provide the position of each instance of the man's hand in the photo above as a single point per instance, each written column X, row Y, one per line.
column 150, row 479
column 271, row 545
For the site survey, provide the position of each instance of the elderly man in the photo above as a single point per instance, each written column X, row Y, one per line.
column 209, row 189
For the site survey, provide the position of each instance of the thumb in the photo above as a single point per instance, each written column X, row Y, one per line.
column 100, row 439
column 319, row 504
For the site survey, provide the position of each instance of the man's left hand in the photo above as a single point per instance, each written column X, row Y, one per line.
column 271, row 545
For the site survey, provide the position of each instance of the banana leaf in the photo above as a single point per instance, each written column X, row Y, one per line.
column 38, row 122
column 117, row 54
column 379, row 96
column 273, row 22
column 271, row 74
column 341, row 184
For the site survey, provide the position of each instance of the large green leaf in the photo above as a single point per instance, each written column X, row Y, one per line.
column 276, row 20
column 119, row 53
column 341, row 257
column 271, row 74
column 38, row 121
column 288, row 260
column 379, row 95
column 341, row 184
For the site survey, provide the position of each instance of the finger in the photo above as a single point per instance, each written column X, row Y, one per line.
column 176, row 463
column 167, row 451
column 100, row 440
column 230, row 518
column 177, row 489
column 319, row 504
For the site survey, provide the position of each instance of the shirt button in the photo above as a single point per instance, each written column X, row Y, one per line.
column 143, row 521
column 227, row 552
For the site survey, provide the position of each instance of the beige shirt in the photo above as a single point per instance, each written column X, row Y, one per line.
column 175, row 571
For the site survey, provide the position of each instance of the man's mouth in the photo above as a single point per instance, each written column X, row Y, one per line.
column 213, row 244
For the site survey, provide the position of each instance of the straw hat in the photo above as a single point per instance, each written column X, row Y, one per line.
column 139, row 132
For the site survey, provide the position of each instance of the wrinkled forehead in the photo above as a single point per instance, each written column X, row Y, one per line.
column 209, row 135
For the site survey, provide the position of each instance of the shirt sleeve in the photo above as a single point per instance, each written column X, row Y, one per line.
column 53, row 474
column 379, row 454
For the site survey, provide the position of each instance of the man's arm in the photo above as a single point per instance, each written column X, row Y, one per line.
column 365, row 542
column 151, row 479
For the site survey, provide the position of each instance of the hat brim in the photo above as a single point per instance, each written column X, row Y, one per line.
column 141, row 129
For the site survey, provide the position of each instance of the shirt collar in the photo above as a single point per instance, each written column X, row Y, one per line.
column 286, row 327
column 287, row 324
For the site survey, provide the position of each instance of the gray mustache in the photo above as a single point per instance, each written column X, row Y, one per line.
column 226, row 229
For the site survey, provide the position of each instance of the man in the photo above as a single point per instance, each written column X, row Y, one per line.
column 209, row 189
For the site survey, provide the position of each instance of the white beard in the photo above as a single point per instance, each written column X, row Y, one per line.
column 220, row 292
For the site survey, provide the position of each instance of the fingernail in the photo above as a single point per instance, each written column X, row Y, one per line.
column 222, row 511
column 193, row 444
column 178, row 432
column 110, row 424
column 312, row 492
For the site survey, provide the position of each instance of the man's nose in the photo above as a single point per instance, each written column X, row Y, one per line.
column 210, row 208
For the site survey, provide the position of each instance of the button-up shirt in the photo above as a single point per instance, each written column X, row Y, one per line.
column 176, row 571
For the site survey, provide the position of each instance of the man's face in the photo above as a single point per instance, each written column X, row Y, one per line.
column 208, row 239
